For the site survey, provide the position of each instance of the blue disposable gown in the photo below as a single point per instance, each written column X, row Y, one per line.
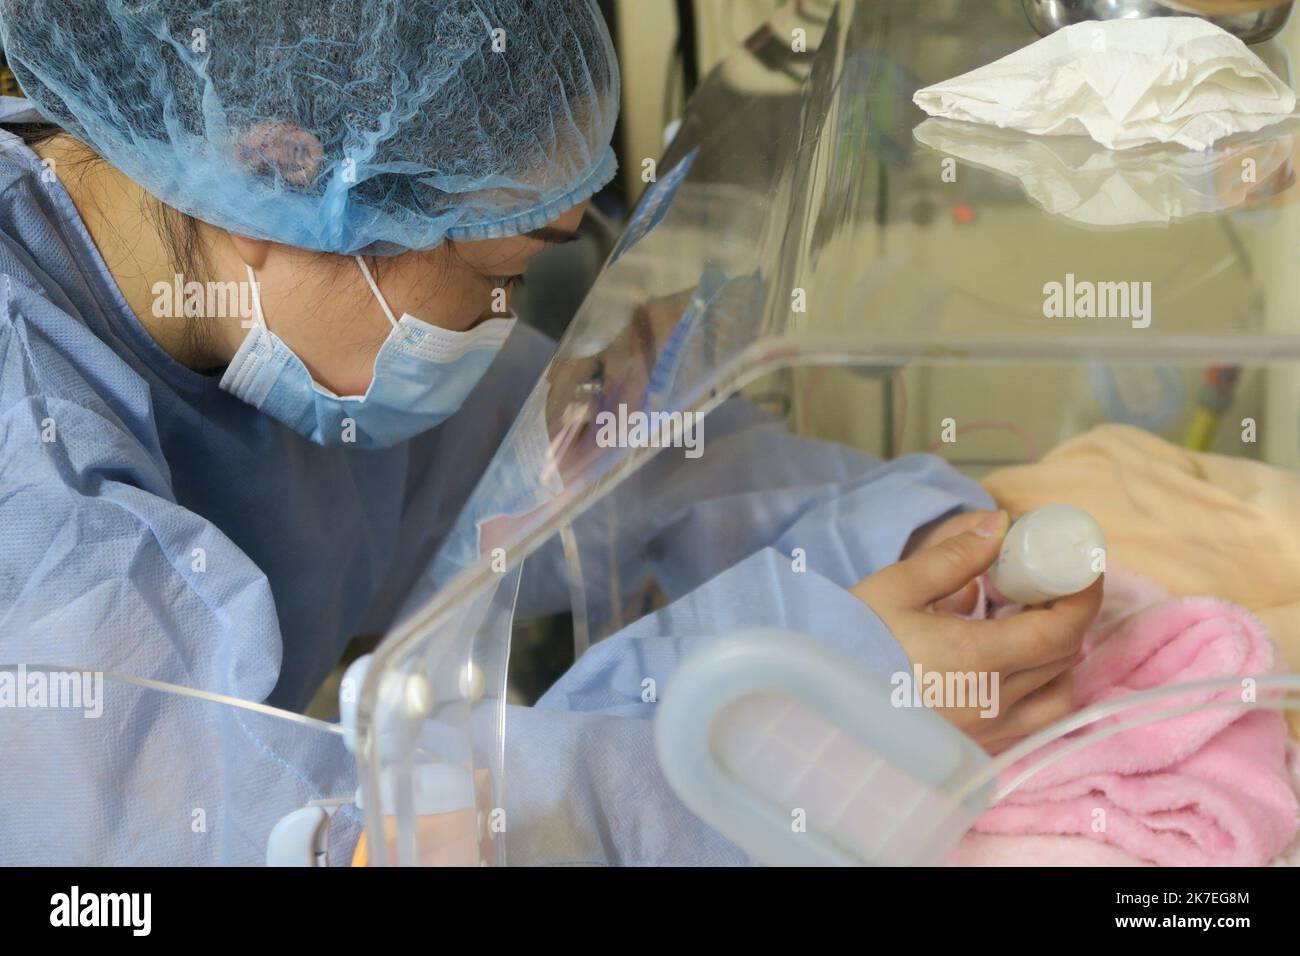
column 721, row 537
column 152, row 525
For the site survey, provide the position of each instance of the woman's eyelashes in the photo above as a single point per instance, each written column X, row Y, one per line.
column 506, row 282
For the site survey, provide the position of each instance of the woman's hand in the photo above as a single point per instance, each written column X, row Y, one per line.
column 1031, row 653
column 927, row 536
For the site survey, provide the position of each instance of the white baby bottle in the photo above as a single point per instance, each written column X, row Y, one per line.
column 1048, row 554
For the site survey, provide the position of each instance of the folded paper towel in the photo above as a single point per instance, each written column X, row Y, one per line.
column 1125, row 83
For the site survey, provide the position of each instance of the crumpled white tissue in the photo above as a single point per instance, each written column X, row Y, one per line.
column 1125, row 83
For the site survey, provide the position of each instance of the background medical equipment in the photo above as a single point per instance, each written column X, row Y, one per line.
column 1048, row 554
column 768, row 707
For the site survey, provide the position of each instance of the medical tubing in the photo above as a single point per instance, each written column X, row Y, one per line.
column 1090, row 715
column 312, row 723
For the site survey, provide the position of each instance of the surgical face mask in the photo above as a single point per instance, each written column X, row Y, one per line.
column 422, row 376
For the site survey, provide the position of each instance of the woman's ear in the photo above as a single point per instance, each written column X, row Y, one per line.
column 254, row 252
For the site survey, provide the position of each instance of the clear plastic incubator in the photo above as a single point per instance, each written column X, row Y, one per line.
column 820, row 287
column 828, row 325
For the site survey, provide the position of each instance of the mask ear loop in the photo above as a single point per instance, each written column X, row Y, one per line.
column 383, row 303
column 257, row 296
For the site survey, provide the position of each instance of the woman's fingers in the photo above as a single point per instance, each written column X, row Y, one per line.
column 936, row 572
column 1040, row 636
column 1052, row 702
column 927, row 536
column 1015, row 688
column 1032, row 653
column 963, row 602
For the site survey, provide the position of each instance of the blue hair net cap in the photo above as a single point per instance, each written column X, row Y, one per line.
column 346, row 126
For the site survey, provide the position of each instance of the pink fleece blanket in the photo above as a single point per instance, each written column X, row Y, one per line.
column 1206, row 788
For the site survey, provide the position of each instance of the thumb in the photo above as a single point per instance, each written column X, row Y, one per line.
column 941, row 570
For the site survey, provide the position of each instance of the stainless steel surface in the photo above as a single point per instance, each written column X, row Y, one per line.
column 1048, row 16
